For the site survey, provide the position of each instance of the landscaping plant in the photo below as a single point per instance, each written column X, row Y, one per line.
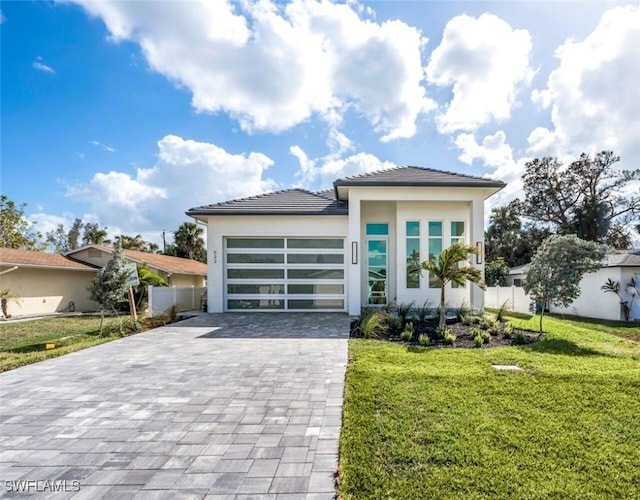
column 447, row 269
column 557, row 268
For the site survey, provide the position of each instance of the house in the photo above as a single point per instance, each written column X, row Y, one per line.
column 44, row 283
column 346, row 248
column 176, row 271
column 621, row 266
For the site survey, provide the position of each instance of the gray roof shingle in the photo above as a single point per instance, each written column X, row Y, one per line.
column 287, row 202
column 327, row 202
column 417, row 176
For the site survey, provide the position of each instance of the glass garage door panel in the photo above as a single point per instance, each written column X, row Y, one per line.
column 294, row 274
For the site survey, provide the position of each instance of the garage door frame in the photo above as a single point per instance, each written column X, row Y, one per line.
column 286, row 273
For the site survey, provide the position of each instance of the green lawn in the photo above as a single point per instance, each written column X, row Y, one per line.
column 23, row 342
column 442, row 423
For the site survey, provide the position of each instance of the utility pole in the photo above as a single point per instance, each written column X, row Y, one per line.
column 164, row 243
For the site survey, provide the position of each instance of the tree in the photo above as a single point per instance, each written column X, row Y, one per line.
column 507, row 237
column 448, row 269
column 110, row 285
column 15, row 230
column 131, row 242
column 495, row 272
column 93, row 235
column 63, row 241
column 588, row 197
column 189, row 242
column 147, row 278
column 74, row 233
column 557, row 268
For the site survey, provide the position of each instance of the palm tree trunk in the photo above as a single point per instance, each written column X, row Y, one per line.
column 443, row 320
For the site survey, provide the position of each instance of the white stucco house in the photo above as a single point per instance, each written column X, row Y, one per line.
column 621, row 266
column 345, row 248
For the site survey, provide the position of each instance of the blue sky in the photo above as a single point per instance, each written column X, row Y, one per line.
column 130, row 113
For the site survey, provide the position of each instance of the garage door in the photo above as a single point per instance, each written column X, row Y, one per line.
column 287, row 274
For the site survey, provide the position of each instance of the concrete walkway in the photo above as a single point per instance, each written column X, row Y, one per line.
column 220, row 406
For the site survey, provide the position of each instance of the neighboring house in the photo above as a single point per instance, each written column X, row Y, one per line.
column 176, row 271
column 44, row 283
column 593, row 302
column 346, row 248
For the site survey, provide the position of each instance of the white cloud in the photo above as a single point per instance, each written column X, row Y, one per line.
column 593, row 94
column 273, row 66
column 106, row 147
column 485, row 61
column 187, row 174
column 320, row 173
column 495, row 153
column 39, row 65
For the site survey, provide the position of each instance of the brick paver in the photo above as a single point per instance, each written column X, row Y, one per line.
column 219, row 406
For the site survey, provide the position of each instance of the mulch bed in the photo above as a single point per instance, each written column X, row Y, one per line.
column 464, row 337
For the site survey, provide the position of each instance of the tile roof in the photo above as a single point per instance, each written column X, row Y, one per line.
column 618, row 258
column 287, row 202
column 174, row 265
column 416, row 176
column 326, row 202
column 30, row 258
column 624, row 258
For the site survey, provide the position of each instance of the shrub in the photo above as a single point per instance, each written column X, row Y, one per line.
column 486, row 323
column 449, row 338
column 395, row 323
column 441, row 331
column 477, row 341
column 407, row 333
column 423, row 311
column 520, row 338
column 424, row 340
column 475, row 320
column 486, row 337
column 465, row 319
column 476, row 332
column 502, row 310
column 507, row 331
column 464, row 310
column 403, row 311
column 173, row 312
column 373, row 323
column 494, row 329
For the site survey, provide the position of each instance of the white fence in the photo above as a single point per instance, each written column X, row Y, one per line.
column 518, row 301
column 186, row 298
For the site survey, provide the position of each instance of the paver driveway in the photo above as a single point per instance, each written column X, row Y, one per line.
column 218, row 406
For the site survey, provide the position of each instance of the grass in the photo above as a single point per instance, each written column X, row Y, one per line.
column 23, row 343
column 442, row 423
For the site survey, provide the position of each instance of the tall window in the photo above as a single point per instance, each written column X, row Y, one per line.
column 377, row 260
column 457, row 232
column 457, row 236
column 413, row 254
column 435, row 248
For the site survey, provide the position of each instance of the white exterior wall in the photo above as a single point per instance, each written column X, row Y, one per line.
column 377, row 204
column 220, row 227
column 592, row 302
column 595, row 303
column 391, row 205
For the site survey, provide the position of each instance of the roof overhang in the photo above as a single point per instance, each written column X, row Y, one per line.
column 342, row 188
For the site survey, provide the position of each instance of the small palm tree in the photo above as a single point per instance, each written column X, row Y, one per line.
column 447, row 269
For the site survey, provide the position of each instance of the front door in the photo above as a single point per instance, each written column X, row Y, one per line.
column 377, row 262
